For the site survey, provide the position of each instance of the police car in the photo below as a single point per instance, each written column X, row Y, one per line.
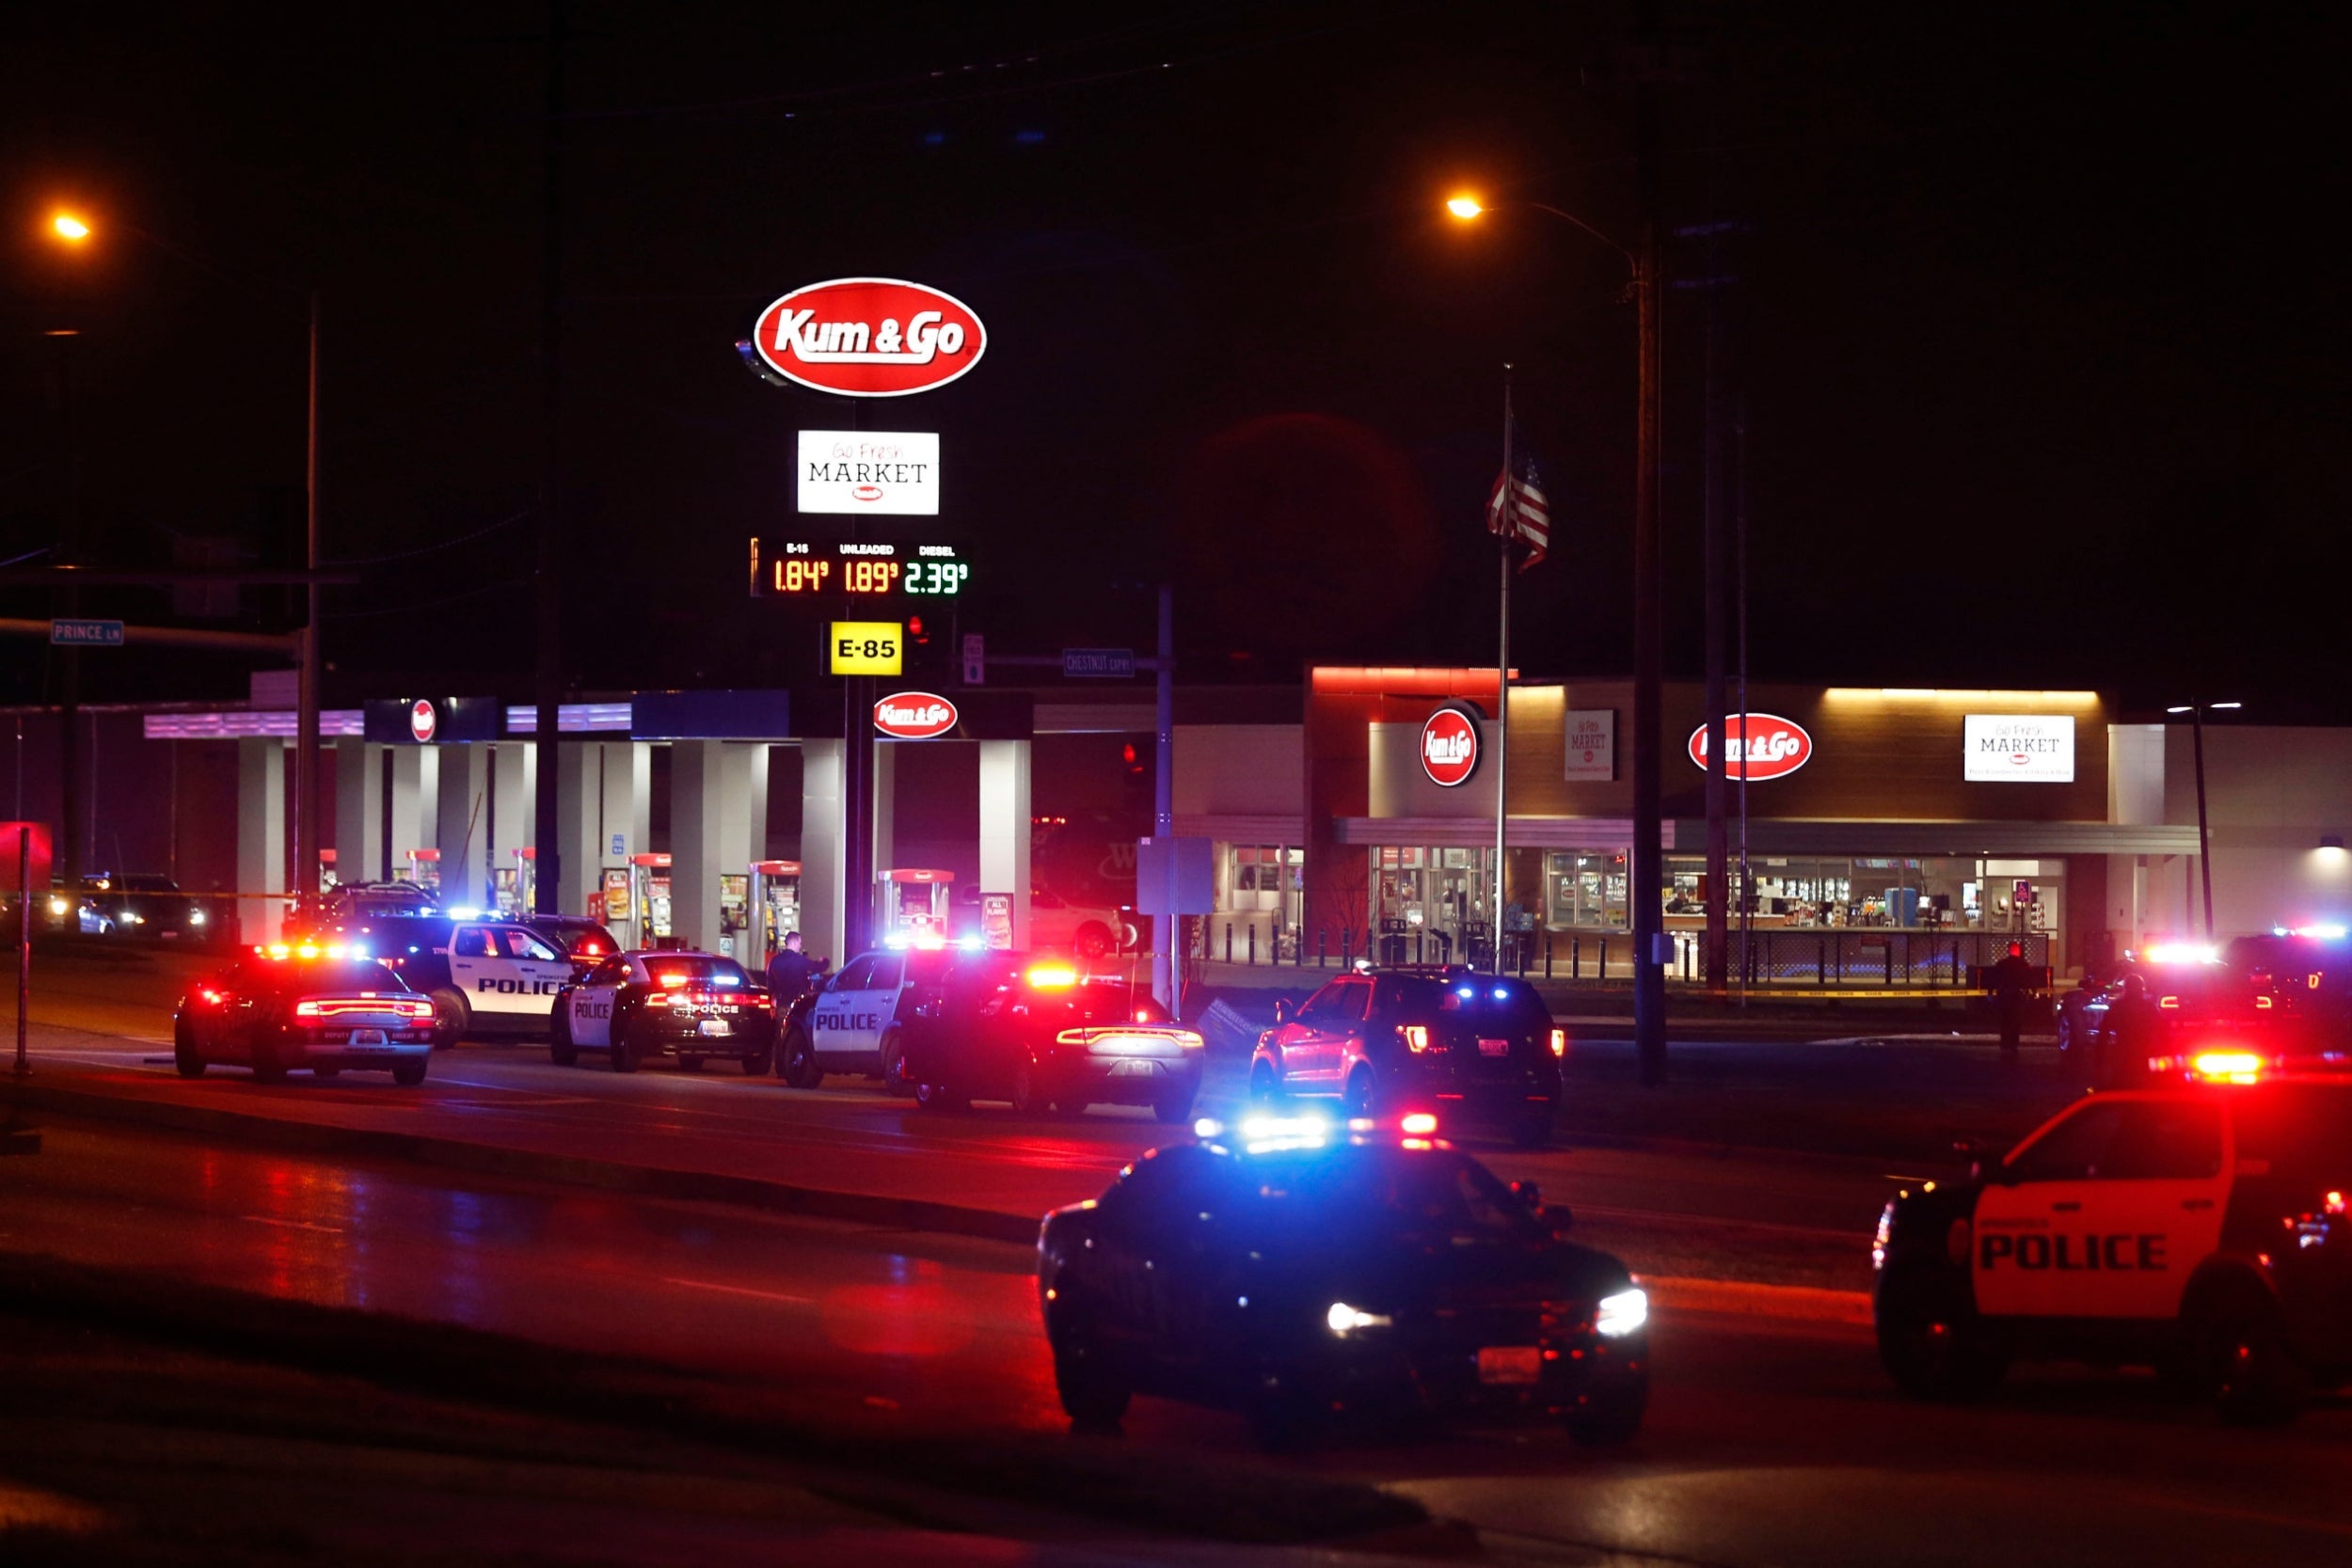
column 303, row 1006
column 687, row 1005
column 856, row 1021
column 1300, row 1267
column 485, row 976
column 2198, row 1227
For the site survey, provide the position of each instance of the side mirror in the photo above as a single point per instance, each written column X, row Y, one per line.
column 1282, row 1011
column 1531, row 1196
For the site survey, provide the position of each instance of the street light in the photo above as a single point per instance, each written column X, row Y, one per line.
column 73, row 230
column 2197, row 712
column 1648, row 870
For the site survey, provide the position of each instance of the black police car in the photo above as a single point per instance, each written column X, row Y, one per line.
column 1476, row 1048
column 2171, row 1000
column 1039, row 1034
column 1297, row 1268
column 635, row 1006
column 300, row 1005
column 2198, row 1227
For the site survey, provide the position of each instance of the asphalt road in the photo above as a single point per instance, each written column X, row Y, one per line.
column 1770, row 1442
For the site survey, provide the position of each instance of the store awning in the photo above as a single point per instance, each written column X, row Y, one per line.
column 1527, row 833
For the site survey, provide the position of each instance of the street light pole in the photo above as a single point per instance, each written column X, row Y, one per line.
column 2195, row 712
column 1648, row 871
column 307, row 791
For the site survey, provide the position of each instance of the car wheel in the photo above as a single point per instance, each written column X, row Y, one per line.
column 1093, row 940
column 2066, row 1032
column 184, row 1059
column 561, row 1050
column 938, row 1097
column 797, row 1064
column 451, row 1018
column 1092, row 1393
column 408, row 1074
column 1361, row 1098
column 2239, row 1358
column 1931, row 1339
column 625, row 1051
column 1266, row 1085
column 1172, row 1106
column 1532, row 1129
column 1604, row 1420
column 1028, row 1094
column 893, row 1067
column 756, row 1062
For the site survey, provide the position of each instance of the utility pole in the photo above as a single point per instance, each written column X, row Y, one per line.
column 1168, row 973
column 1649, row 868
column 547, row 838
column 307, row 791
column 69, row 845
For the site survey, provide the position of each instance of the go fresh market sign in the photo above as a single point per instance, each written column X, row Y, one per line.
column 2010, row 748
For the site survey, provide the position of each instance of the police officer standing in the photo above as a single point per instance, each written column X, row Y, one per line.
column 2013, row 982
column 789, row 971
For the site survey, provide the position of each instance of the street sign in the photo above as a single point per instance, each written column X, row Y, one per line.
column 86, row 634
column 1098, row 663
column 975, row 659
column 865, row 647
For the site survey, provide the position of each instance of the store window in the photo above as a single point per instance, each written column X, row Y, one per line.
column 1586, row 891
column 1432, row 904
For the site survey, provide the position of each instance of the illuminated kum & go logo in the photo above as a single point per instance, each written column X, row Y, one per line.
column 870, row 336
column 914, row 716
column 1449, row 747
column 1758, row 745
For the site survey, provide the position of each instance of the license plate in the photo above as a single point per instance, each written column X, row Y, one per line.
column 1511, row 1364
column 1494, row 1048
column 369, row 1036
column 716, row 1026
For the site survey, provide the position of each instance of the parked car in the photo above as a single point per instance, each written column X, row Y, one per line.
column 290, row 1007
column 686, row 1006
column 1083, row 930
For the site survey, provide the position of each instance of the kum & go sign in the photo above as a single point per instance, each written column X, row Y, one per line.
column 870, row 336
column 1758, row 746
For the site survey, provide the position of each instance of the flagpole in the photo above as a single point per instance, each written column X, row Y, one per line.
column 1503, row 673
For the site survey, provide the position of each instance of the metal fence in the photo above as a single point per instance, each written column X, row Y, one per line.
column 1840, row 957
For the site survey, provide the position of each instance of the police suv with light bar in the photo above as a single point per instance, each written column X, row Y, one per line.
column 2198, row 1227
column 1301, row 1268
column 484, row 975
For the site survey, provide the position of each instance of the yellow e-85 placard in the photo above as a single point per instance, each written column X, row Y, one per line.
column 865, row 648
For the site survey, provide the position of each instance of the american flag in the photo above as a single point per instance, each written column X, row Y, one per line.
column 1530, row 522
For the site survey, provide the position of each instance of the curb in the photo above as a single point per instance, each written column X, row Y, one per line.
column 687, row 1186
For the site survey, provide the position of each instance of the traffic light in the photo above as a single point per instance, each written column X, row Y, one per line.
column 928, row 643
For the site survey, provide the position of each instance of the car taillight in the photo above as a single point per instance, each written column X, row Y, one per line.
column 419, row 1007
column 657, row 999
column 1416, row 1037
column 2169, row 1001
column 1560, row 1042
column 1052, row 976
column 305, row 1009
column 2335, row 1204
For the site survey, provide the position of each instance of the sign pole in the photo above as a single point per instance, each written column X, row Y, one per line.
column 1167, row 976
column 1503, row 678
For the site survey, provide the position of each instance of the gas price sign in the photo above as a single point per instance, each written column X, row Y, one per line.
column 857, row 571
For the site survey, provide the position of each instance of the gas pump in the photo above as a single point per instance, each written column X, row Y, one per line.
column 735, row 913
column 916, row 903
column 649, row 898
column 517, row 894
column 776, row 908
column 425, row 869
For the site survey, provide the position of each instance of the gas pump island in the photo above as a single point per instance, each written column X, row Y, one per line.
column 859, row 584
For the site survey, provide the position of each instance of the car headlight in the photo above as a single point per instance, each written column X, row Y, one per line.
column 1343, row 1319
column 58, row 906
column 1621, row 1314
column 196, row 917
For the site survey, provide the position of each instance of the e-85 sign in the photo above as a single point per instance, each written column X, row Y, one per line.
column 865, row 648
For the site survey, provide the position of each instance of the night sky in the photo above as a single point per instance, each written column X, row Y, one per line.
column 2037, row 318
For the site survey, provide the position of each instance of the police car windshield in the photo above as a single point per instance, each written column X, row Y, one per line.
column 303, row 976
column 1503, row 1006
column 2300, row 1130
column 696, row 969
